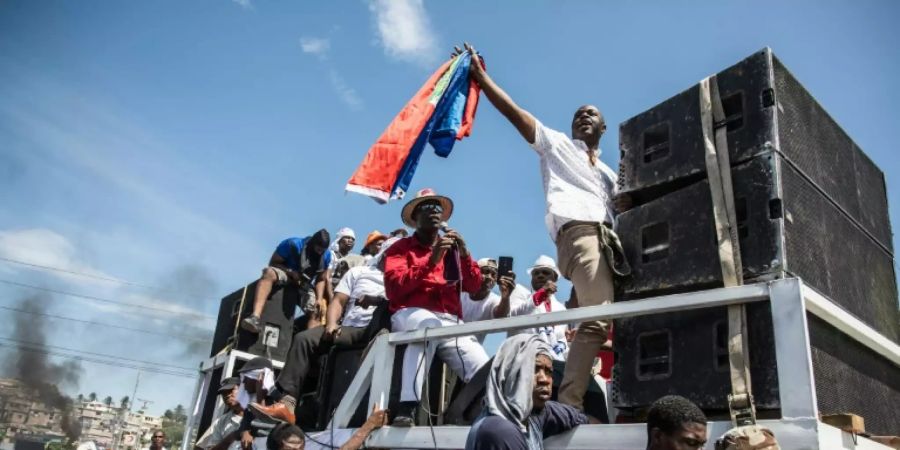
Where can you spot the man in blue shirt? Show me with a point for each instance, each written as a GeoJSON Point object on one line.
{"type": "Point", "coordinates": [295, 260]}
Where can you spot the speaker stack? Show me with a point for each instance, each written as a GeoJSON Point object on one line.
{"type": "Point", "coordinates": [277, 322]}
{"type": "Point", "coordinates": [809, 204]}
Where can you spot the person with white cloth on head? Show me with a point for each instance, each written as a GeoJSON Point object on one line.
{"type": "Point", "coordinates": [518, 413]}
{"type": "Point", "coordinates": [257, 385]}
{"type": "Point", "coordinates": [541, 298]}
{"type": "Point", "coordinates": [358, 294]}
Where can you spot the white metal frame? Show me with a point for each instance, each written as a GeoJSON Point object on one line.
{"type": "Point", "coordinates": [207, 367]}
{"type": "Point", "coordinates": [798, 429]}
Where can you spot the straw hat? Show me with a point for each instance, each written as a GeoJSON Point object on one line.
{"type": "Point", "coordinates": [423, 196]}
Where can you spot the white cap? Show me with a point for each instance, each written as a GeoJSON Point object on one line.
{"type": "Point", "coordinates": [488, 262]}
{"type": "Point", "coordinates": [546, 262]}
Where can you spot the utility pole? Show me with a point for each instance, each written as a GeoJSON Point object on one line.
{"type": "Point", "coordinates": [123, 415]}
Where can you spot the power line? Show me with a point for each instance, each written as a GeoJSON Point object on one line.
{"type": "Point", "coordinates": [101, 361]}
{"type": "Point", "coordinates": [82, 274]}
{"type": "Point", "coordinates": [89, 322]}
{"type": "Point", "coordinates": [104, 300]}
{"type": "Point", "coordinates": [119, 358]}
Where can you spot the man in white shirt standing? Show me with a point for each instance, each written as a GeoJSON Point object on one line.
{"type": "Point", "coordinates": [579, 190]}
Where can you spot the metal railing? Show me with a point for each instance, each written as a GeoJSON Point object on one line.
{"type": "Point", "coordinates": [790, 299]}
{"type": "Point", "coordinates": [798, 429]}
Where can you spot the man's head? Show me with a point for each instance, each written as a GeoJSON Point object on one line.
{"type": "Point", "coordinates": [228, 389]}
{"type": "Point", "coordinates": [588, 125]}
{"type": "Point", "coordinates": [253, 374]}
{"type": "Point", "coordinates": [346, 239]}
{"type": "Point", "coordinates": [400, 232]}
{"type": "Point", "coordinates": [674, 423]}
{"type": "Point", "coordinates": [543, 381]}
{"type": "Point", "coordinates": [543, 270]}
{"type": "Point", "coordinates": [488, 268]}
{"type": "Point", "coordinates": [157, 439]}
{"type": "Point", "coordinates": [427, 211]}
{"type": "Point", "coordinates": [286, 436]}
{"type": "Point", "coordinates": [373, 243]}
{"type": "Point", "coordinates": [318, 242]}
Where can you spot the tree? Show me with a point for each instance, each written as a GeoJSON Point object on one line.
{"type": "Point", "coordinates": [108, 401]}
{"type": "Point", "coordinates": [92, 397]}
{"type": "Point", "coordinates": [80, 398]}
{"type": "Point", "coordinates": [173, 425]}
{"type": "Point", "coordinates": [124, 402]}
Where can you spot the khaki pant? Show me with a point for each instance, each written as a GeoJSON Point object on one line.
{"type": "Point", "coordinates": [582, 262]}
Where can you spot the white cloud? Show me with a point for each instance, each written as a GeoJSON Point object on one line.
{"type": "Point", "coordinates": [404, 30]}
{"type": "Point", "coordinates": [246, 4]}
{"type": "Point", "coordinates": [315, 46]}
{"type": "Point", "coordinates": [347, 94]}
{"type": "Point", "coordinates": [46, 248]}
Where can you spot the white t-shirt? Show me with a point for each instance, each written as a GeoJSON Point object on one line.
{"type": "Point", "coordinates": [475, 310]}
{"type": "Point", "coordinates": [358, 282]}
{"type": "Point", "coordinates": [575, 190]}
{"type": "Point", "coordinates": [522, 304]}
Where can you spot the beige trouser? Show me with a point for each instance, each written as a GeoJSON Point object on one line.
{"type": "Point", "coordinates": [582, 262]}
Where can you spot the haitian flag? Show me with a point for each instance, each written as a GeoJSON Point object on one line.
{"type": "Point", "coordinates": [441, 112]}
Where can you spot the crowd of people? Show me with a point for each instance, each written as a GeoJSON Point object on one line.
{"type": "Point", "coordinates": [430, 278]}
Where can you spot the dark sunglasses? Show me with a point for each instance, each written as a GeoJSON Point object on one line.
{"type": "Point", "coordinates": [430, 208]}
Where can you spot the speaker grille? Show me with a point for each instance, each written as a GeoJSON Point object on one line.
{"type": "Point", "coordinates": [853, 379]}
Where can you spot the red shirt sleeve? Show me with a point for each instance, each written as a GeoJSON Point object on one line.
{"type": "Point", "coordinates": [401, 277]}
{"type": "Point", "coordinates": [471, 275]}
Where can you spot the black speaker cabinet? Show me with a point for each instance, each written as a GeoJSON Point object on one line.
{"type": "Point", "coordinates": [786, 228]}
{"type": "Point", "coordinates": [766, 109]}
{"type": "Point", "coordinates": [274, 340]}
{"type": "Point", "coordinates": [685, 353]}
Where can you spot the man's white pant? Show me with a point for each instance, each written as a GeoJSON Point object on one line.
{"type": "Point", "coordinates": [464, 354]}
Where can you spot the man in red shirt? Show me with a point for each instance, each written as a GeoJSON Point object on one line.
{"type": "Point", "coordinates": [424, 276]}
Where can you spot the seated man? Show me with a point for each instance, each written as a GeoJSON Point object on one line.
{"type": "Point", "coordinates": [363, 288]}
{"type": "Point", "coordinates": [518, 413]}
{"type": "Point", "coordinates": [542, 299]}
{"type": "Point", "coordinates": [222, 433]}
{"type": "Point", "coordinates": [485, 304]}
{"type": "Point", "coordinates": [425, 295]}
{"type": "Point", "coordinates": [295, 260]}
{"type": "Point", "coordinates": [674, 423]}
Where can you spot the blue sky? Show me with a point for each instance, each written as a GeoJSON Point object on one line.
{"type": "Point", "coordinates": [143, 140]}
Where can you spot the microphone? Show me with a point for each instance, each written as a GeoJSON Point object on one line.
{"type": "Point", "coordinates": [451, 261]}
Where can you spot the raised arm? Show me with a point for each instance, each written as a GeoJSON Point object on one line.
{"type": "Point", "coordinates": [521, 119]}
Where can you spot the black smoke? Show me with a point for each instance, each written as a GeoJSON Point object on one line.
{"type": "Point", "coordinates": [30, 363]}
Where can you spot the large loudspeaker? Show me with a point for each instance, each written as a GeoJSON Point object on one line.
{"type": "Point", "coordinates": [274, 341]}
{"type": "Point", "coordinates": [809, 204]}
{"type": "Point", "coordinates": [767, 109]}
{"type": "Point", "coordinates": [786, 228]}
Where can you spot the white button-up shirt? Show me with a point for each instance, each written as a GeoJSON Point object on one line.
{"type": "Point", "coordinates": [360, 281]}
{"type": "Point", "coordinates": [575, 189]}
{"type": "Point", "coordinates": [521, 303]}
